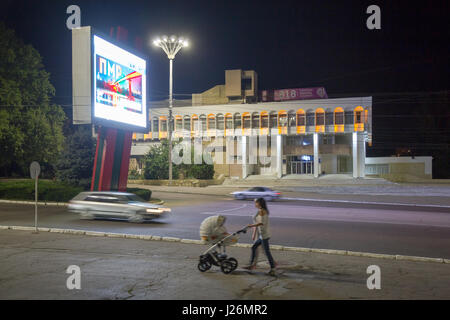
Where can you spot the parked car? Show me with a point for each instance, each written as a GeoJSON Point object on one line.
{"type": "Point", "coordinates": [115, 205]}
{"type": "Point", "coordinates": [257, 192]}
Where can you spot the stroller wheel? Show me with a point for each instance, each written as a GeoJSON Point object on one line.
{"type": "Point", "coordinates": [234, 263]}
{"type": "Point", "coordinates": [228, 265]}
{"type": "Point", "coordinates": [204, 265]}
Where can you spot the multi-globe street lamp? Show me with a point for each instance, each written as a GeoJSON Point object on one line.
{"type": "Point", "coordinates": [171, 45]}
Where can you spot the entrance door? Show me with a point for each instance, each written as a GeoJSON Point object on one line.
{"type": "Point", "coordinates": [302, 167]}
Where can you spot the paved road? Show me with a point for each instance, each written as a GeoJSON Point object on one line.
{"type": "Point", "coordinates": [368, 228]}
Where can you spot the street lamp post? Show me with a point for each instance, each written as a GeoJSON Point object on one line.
{"type": "Point", "coordinates": [171, 46]}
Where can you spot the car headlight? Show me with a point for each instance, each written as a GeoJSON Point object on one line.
{"type": "Point", "coordinates": [154, 211]}
{"type": "Point", "coordinates": [158, 210]}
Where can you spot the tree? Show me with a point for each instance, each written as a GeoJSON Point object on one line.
{"type": "Point", "coordinates": [76, 162]}
{"type": "Point", "coordinates": [157, 163]}
{"type": "Point", "coordinates": [30, 125]}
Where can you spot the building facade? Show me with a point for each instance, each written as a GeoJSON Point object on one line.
{"type": "Point", "coordinates": [299, 137]}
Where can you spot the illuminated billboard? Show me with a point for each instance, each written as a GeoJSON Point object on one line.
{"type": "Point", "coordinates": [118, 87]}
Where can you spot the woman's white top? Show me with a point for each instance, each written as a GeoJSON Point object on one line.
{"type": "Point", "coordinates": [263, 231]}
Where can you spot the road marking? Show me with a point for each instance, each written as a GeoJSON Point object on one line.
{"type": "Point", "coordinates": [369, 202]}
{"type": "Point", "coordinates": [227, 210]}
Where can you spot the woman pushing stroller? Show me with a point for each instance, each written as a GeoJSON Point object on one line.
{"type": "Point", "coordinates": [261, 233]}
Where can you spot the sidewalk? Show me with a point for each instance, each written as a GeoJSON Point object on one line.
{"type": "Point", "coordinates": [34, 267]}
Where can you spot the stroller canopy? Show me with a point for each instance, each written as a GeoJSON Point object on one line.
{"type": "Point", "coordinates": [212, 227]}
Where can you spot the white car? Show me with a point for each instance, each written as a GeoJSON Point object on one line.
{"type": "Point", "coordinates": [115, 205]}
{"type": "Point", "coordinates": [257, 192]}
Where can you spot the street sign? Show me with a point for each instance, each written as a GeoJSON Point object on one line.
{"type": "Point", "coordinates": [35, 170]}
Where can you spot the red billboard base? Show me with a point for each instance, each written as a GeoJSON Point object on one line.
{"type": "Point", "coordinates": [112, 159]}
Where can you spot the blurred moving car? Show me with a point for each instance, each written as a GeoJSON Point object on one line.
{"type": "Point", "coordinates": [115, 205]}
{"type": "Point", "coordinates": [257, 192]}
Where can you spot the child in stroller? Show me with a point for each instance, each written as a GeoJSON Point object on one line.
{"type": "Point", "coordinates": [213, 232]}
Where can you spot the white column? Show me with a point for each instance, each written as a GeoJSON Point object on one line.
{"type": "Point", "coordinates": [316, 154]}
{"type": "Point", "coordinates": [279, 156]}
{"type": "Point", "coordinates": [355, 154]}
{"type": "Point", "coordinates": [361, 155]}
{"type": "Point", "coordinates": [244, 146]}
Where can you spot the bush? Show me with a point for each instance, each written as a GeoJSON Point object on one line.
{"type": "Point", "coordinates": [143, 193]}
{"type": "Point", "coordinates": [47, 190]}
{"type": "Point", "coordinates": [200, 171]}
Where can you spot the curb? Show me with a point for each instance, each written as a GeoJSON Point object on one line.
{"type": "Point", "coordinates": [238, 245]}
{"type": "Point", "coordinates": [58, 204]}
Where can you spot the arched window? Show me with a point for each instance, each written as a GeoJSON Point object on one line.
{"type": "Point", "coordinates": [264, 123]}
{"type": "Point", "coordinates": [359, 118]}
{"type": "Point", "coordinates": [338, 119]}
{"type": "Point", "coordinates": [255, 120]}
{"type": "Point", "coordinates": [359, 114]}
{"type": "Point", "coordinates": [273, 120]}
{"type": "Point", "coordinates": [338, 116]}
{"type": "Point", "coordinates": [162, 127]}
{"type": "Point", "coordinates": [220, 122]}
{"type": "Point", "coordinates": [178, 123]}
{"type": "Point", "coordinates": [202, 120]}
{"type": "Point", "coordinates": [211, 124]}
{"type": "Point", "coordinates": [320, 117]}
{"type": "Point", "coordinates": [163, 124]}
{"type": "Point", "coordinates": [155, 125]}
{"type": "Point", "coordinates": [264, 120]}
{"type": "Point", "coordinates": [282, 122]}
{"type": "Point", "coordinates": [320, 120]}
{"type": "Point", "coordinates": [301, 121]}
{"type": "Point", "coordinates": [187, 124]}
{"type": "Point", "coordinates": [291, 119]}
{"type": "Point", "coordinates": [195, 127]}
{"type": "Point", "coordinates": [237, 121]}
{"type": "Point", "coordinates": [246, 122]}
{"type": "Point", "coordinates": [228, 123]}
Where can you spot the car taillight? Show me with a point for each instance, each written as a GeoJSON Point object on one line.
{"type": "Point", "coordinates": [277, 193]}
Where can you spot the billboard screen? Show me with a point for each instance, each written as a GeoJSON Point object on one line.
{"type": "Point", "coordinates": [119, 86]}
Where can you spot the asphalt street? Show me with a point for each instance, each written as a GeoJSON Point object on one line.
{"type": "Point", "coordinates": [368, 228]}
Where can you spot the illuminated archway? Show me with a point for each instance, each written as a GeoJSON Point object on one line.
{"type": "Point", "coordinates": [162, 127]}
{"type": "Point", "coordinates": [282, 122]}
{"type": "Point", "coordinates": [320, 120]}
{"type": "Point", "coordinates": [358, 120]}
{"type": "Point", "coordinates": [301, 121]}
{"type": "Point", "coordinates": [338, 119]}
{"type": "Point", "coordinates": [264, 123]}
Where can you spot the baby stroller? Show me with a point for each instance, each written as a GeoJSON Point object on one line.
{"type": "Point", "coordinates": [213, 232]}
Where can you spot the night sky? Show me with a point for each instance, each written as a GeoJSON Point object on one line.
{"type": "Point", "coordinates": [290, 44]}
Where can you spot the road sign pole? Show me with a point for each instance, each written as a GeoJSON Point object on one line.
{"type": "Point", "coordinates": [35, 204]}
{"type": "Point", "coordinates": [35, 170]}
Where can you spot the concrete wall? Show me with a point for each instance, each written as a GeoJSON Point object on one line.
{"type": "Point", "coordinates": [215, 95]}
{"type": "Point", "coordinates": [233, 83]}
{"type": "Point", "coordinates": [404, 168]}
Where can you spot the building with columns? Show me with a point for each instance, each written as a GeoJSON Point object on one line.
{"type": "Point", "coordinates": [293, 137]}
